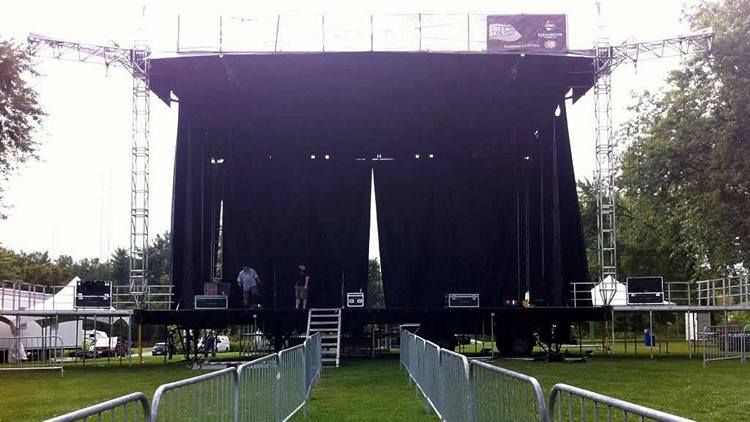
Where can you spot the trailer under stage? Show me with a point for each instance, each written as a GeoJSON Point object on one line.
{"type": "Point", "coordinates": [513, 326]}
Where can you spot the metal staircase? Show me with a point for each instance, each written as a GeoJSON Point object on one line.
{"type": "Point", "coordinates": [327, 322]}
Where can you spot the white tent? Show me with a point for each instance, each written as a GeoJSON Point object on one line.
{"type": "Point", "coordinates": [607, 286]}
{"type": "Point", "coordinates": [62, 300]}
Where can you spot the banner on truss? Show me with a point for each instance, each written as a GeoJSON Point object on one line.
{"type": "Point", "coordinates": [537, 33]}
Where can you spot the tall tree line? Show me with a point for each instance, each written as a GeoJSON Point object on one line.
{"type": "Point", "coordinates": [683, 206]}
{"type": "Point", "coordinates": [39, 268]}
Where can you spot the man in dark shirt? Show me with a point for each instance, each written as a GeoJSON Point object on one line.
{"type": "Point", "coordinates": [301, 286]}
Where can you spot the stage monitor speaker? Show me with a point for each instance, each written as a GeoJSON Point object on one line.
{"type": "Point", "coordinates": [644, 290]}
{"type": "Point", "coordinates": [462, 300]}
{"type": "Point", "coordinates": [355, 300]}
{"type": "Point", "coordinates": [93, 294]}
{"type": "Point", "coordinates": [211, 302]}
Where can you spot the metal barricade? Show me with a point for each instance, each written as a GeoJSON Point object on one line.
{"type": "Point", "coordinates": [403, 356]}
{"type": "Point", "coordinates": [503, 395]}
{"type": "Point", "coordinates": [313, 362]}
{"type": "Point", "coordinates": [430, 374]}
{"type": "Point", "coordinates": [292, 381]}
{"type": "Point", "coordinates": [211, 396]}
{"type": "Point", "coordinates": [133, 407]}
{"type": "Point", "coordinates": [568, 403]}
{"type": "Point", "coordinates": [723, 342]}
{"type": "Point", "coordinates": [31, 352]}
{"type": "Point", "coordinates": [455, 398]}
{"type": "Point", "coordinates": [259, 389]}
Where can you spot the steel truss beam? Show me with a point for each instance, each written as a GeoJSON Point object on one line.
{"type": "Point", "coordinates": [135, 61]}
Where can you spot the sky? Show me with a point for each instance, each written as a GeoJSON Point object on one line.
{"type": "Point", "coordinates": [75, 200]}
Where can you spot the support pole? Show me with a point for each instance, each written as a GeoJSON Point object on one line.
{"type": "Point", "coordinates": [130, 339]}
{"type": "Point", "coordinates": [140, 344]}
{"type": "Point", "coordinates": [613, 330]}
{"type": "Point", "coordinates": [651, 332]}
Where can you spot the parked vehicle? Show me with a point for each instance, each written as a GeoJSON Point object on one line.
{"type": "Point", "coordinates": [160, 349]}
{"type": "Point", "coordinates": [222, 344]}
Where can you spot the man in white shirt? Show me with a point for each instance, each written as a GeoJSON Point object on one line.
{"type": "Point", "coordinates": [248, 281]}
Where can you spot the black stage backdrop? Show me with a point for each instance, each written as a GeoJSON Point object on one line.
{"type": "Point", "coordinates": [498, 224]}
{"type": "Point", "coordinates": [494, 211]}
{"type": "Point", "coordinates": [279, 213]}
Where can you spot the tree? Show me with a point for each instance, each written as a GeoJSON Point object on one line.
{"type": "Point", "coordinates": [158, 259]}
{"type": "Point", "coordinates": [375, 296]}
{"type": "Point", "coordinates": [685, 176]}
{"type": "Point", "coordinates": [20, 111]}
{"type": "Point", "coordinates": [120, 265]}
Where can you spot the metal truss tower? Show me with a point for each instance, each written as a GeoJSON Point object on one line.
{"type": "Point", "coordinates": [606, 59]}
{"type": "Point", "coordinates": [139, 174]}
{"type": "Point", "coordinates": [136, 61]}
{"type": "Point", "coordinates": [606, 160]}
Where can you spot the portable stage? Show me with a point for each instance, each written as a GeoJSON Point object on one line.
{"type": "Point", "coordinates": [470, 155]}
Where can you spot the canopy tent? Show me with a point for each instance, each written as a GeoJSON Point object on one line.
{"type": "Point", "coordinates": [607, 288]}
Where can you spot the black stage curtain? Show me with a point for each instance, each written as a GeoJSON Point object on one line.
{"type": "Point", "coordinates": [279, 213]}
{"type": "Point", "coordinates": [500, 224]}
{"type": "Point", "coordinates": [445, 227]}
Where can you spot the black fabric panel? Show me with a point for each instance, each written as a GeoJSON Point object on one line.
{"type": "Point", "coordinates": [279, 213]}
{"type": "Point", "coordinates": [575, 268]}
{"type": "Point", "coordinates": [445, 227]}
{"type": "Point", "coordinates": [494, 212]}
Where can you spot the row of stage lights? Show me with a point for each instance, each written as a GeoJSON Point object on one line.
{"type": "Point", "coordinates": [328, 157]}
{"type": "Point", "coordinates": [377, 157]}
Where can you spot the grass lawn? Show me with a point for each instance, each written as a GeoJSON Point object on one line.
{"type": "Point", "coordinates": [373, 390]}
{"type": "Point", "coordinates": [38, 395]}
{"type": "Point", "coordinates": [366, 390]}
{"type": "Point", "coordinates": [673, 384]}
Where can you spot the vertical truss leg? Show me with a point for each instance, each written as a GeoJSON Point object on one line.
{"type": "Point", "coordinates": [139, 175]}
{"type": "Point", "coordinates": [605, 162]}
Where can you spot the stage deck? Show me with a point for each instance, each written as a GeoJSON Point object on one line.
{"type": "Point", "coordinates": [297, 318]}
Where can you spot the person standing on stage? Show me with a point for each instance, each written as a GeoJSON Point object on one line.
{"type": "Point", "coordinates": [301, 286]}
{"type": "Point", "coordinates": [248, 281]}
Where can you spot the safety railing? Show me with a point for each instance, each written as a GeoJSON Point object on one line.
{"type": "Point", "coordinates": [157, 296]}
{"type": "Point", "coordinates": [568, 403]}
{"type": "Point", "coordinates": [340, 33]}
{"type": "Point", "coordinates": [504, 395]}
{"type": "Point", "coordinates": [727, 291]}
{"type": "Point", "coordinates": [461, 390]}
{"type": "Point", "coordinates": [31, 352]}
{"type": "Point", "coordinates": [724, 342]}
{"type": "Point", "coordinates": [133, 407]}
{"type": "Point", "coordinates": [20, 296]}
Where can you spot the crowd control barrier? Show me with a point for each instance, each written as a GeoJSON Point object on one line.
{"type": "Point", "coordinates": [458, 389]}
{"type": "Point", "coordinates": [568, 403]}
{"type": "Point", "coordinates": [133, 407]}
{"type": "Point", "coordinates": [271, 388]}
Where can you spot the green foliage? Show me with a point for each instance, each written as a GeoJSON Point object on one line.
{"type": "Point", "coordinates": [38, 268]}
{"type": "Point", "coordinates": [20, 111]}
{"type": "Point", "coordinates": [685, 182]}
{"type": "Point", "coordinates": [375, 297]}
{"type": "Point", "coordinates": [158, 259]}
{"type": "Point", "coordinates": [120, 266]}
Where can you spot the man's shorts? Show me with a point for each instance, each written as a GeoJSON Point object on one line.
{"type": "Point", "coordinates": [300, 292]}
